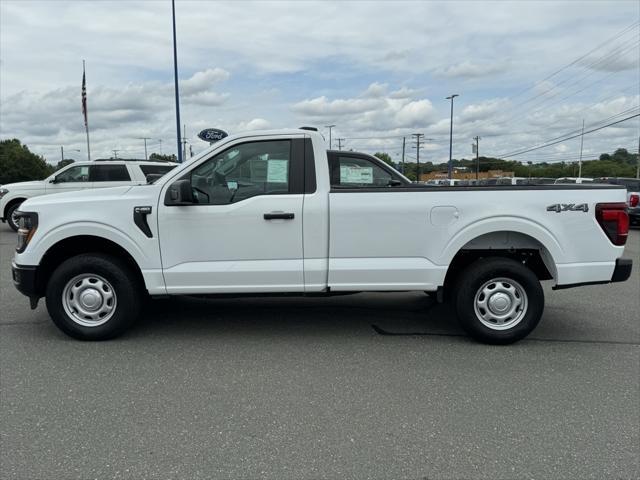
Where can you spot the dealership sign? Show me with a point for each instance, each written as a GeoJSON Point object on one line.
{"type": "Point", "coordinates": [212, 135]}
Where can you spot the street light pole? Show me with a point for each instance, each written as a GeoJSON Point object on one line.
{"type": "Point", "coordinates": [477, 139]}
{"type": "Point", "coordinates": [175, 78]}
{"type": "Point", "coordinates": [581, 144]}
{"type": "Point", "coordinates": [417, 147]}
{"type": "Point", "coordinates": [451, 97]}
{"type": "Point", "coordinates": [329, 127]}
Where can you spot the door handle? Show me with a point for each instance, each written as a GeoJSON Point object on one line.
{"type": "Point", "coordinates": [278, 216]}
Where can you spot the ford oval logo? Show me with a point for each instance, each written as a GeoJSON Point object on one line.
{"type": "Point", "coordinates": [212, 135]}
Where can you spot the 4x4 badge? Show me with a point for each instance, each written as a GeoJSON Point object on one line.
{"type": "Point", "coordinates": [568, 207]}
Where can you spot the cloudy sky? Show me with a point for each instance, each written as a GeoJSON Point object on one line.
{"type": "Point", "coordinates": [527, 73]}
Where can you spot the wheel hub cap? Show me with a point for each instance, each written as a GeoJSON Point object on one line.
{"type": "Point", "coordinates": [500, 303]}
{"type": "Point", "coordinates": [89, 300]}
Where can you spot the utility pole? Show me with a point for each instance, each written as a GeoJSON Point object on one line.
{"type": "Point", "coordinates": [581, 143]}
{"type": "Point", "coordinates": [451, 97]}
{"type": "Point", "coordinates": [404, 139]}
{"type": "Point", "coordinates": [340, 140]}
{"type": "Point", "coordinates": [477, 139]}
{"type": "Point", "coordinates": [418, 146]}
{"type": "Point", "coordinates": [62, 151]}
{"type": "Point", "coordinates": [160, 140]}
{"type": "Point", "coordinates": [329, 127]}
{"type": "Point", "coordinates": [175, 78]}
{"type": "Point", "coordinates": [184, 142]}
{"type": "Point", "coordinates": [115, 153]}
{"type": "Point", "coordinates": [638, 160]}
{"type": "Point", "coordinates": [145, 146]}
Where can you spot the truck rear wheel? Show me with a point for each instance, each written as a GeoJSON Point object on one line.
{"type": "Point", "coordinates": [93, 297]}
{"type": "Point", "coordinates": [498, 300]}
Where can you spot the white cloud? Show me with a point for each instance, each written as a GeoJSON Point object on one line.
{"type": "Point", "coordinates": [468, 69]}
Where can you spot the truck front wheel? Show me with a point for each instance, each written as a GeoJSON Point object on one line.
{"type": "Point", "coordinates": [93, 297]}
{"type": "Point", "coordinates": [498, 300]}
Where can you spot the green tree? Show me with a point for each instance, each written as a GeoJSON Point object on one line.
{"type": "Point", "coordinates": [157, 157]}
{"type": "Point", "coordinates": [385, 157]}
{"type": "Point", "coordinates": [18, 164]}
{"type": "Point", "coordinates": [64, 163]}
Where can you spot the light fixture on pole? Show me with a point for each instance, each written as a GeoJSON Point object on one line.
{"type": "Point", "coordinates": [451, 97]}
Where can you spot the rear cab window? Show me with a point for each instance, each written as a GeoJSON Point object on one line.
{"type": "Point", "coordinates": [360, 171]}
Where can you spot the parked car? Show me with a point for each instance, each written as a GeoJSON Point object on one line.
{"type": "Point", "coordinates": [633, 195]}
{"type": "Point", "coordinates": [78, 176]}
{"type": "Point", "coordinates": [541, 181]}
{"type": "Point", "coordinates": [512, 181]}
{"type": "Point", "coordinates": [276, 213]}
{"type": "Point", "coordinates": [569, 180]}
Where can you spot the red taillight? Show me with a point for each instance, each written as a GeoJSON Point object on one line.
{"type": "Point", "coordinates": [634, 199]}
{"type": "Point", "coordinates": [614, 220]}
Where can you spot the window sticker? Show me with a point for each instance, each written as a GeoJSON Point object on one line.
{"type": "Point", "coordinates": [232, 185]}
{"type": "Point", "coordinates": [277, 171]}
{"type": "Point", "coordinates": [355, 174]}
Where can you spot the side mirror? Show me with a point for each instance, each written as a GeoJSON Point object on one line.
{"type": "Point", "coordinates": [53, 180]}
{"type": "Point", "coordinates": [179, 193]}
{"type": "Point", "coordinates": [394, 183]}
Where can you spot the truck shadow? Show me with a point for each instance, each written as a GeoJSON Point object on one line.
{"type": "Point", "coordinates": [406, 313]}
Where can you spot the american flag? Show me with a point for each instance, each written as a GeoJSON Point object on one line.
{"type": "Point", "coordinates": [84, 97]}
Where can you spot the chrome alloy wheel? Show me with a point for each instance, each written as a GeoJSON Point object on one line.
{"type": "Point", "coordinates": [89, 300]}
{"type": "Point", "coordinates": [14, 217]}
{"type": "Point", "coordinates": [500, 304]}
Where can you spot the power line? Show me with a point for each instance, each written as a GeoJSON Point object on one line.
{"type": "Point", "coordinates": [607, 41]}
{"type": "Point", "coordinates": [569, 138]}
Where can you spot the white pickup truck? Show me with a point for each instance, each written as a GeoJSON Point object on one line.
{"type": "Point", "coordinates": [276, 213]}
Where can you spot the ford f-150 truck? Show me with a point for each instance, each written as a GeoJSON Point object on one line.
{"type": "Point", "coordinates": [276, 213]}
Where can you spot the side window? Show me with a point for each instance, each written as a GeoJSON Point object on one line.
{"type": "Point", "coordinates": [109, 173]}
{"type": "Point", "coordinates": [244, 171]}
{"type": "Point", "coordinates": [79, 173]}
{"type": "Point", "coordinates": [156, 169]}
{"type": "Point", "coordinates": [358, 172]}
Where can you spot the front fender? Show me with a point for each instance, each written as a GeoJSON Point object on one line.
{"type": "Point", "coordinates": [41, 243]}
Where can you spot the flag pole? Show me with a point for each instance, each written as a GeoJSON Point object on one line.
{"type": "Point", "coordinates": [175, 78]}
{"type": "Point", "coordinates": [84, 109]}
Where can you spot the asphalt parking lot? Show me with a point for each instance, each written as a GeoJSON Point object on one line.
{"type": "Point", "coordinates": [308, 388]}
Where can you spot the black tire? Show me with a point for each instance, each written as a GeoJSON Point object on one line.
{"type": "Point", "coordinates": [9, 217]}
{"type": "Point", "coordinates": [126, 296]}
{"type": "Point", "coordinates": [482, 323]}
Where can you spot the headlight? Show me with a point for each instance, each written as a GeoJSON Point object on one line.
{"type": "Point", "coordinates": [27, 225]}
{"type": "Point", "coordinates": [3, 192]}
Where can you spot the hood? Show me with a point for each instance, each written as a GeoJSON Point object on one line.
{"type": "Point", "coordinates": [32, 185]}
{"type": "Point", "coordinates": [95, 194]}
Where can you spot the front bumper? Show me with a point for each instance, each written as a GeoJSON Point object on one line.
{"type": "Point", "coordinates": [25, 280]}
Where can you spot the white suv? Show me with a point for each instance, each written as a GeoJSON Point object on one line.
{"type": "Point", "coordinates": [78, 176]}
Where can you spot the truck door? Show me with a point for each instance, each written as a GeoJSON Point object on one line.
{"type": "Point", "coordinates": [244, 231]}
